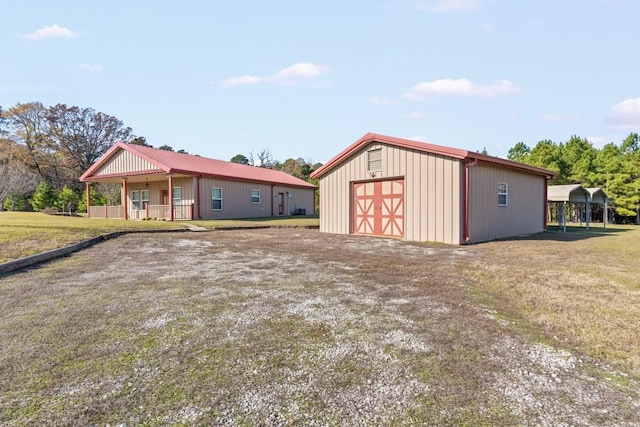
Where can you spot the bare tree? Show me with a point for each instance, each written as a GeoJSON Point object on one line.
{"type": "Point", "coordinates": [262, 159]}
{"type": "Point", "coordinates": [17, 180]}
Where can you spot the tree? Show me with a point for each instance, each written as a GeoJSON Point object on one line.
{"type": "Point", "coordinates": [262, 159]}
{"type": "Point", "coordinates": [577, 155]}
{"type": "Point", "coordinates": [239, 158]}
{"type": "Point", "coordinates": [519, 152]}
{"type": "Point", "coordinates": [16, 179]}
{"type": "Point", "coordinates": [67, 199]}
{"type": "Point", "coordinates": [83, 135]}
{"type": "Point", "coordinates": [140, 140]}
{"type": "Point", "coordinates": [44, 197]}
{"type": "Point", "coordinates": [166, 147]}
{"type": "Point", "coordinates": [182, 151]}
{"type": "Point", "coordinates": [97, 199]}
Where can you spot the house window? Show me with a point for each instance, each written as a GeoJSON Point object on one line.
{"type": "Point", "coordinates": [177, 196]}
{"type": "Point", "coordinates": [374, 160]}
{"type": "Point", "coordinates": [135, 199]}
{"type": "Point", "coordinates": [502, 194]}
{"type": "Point", "coordinates": [144, 198]}
{"type": "Point", "coordinates": [216, 199]}
{"type": "Point", "coordinates": [255, 196]}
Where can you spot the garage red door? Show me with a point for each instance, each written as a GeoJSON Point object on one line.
{"type": "Point", "coordinates": [378, 208]}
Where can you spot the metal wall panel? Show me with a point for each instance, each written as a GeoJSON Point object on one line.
{"type": "Point", "coordinates": [524, 213]}
{"type": "Point", "coordinates": [236, 199]}
{"type": "Point", "coordinates": [123, 162]}
{"type": "Point", "coordinates": [432, 193]}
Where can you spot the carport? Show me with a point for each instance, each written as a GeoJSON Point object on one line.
{"type": "Point", "coordinates": [573, 196]}
{"type": "Point", "coordinates": [598, 196]}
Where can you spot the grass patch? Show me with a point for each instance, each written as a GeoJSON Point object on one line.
{"type": "Point", "coordinates": [284, 222]}
{"type": "Point", "coordinates": [578, 289]}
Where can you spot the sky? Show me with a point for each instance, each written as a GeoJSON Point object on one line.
{"type": "Point", "coordinates": [304, 79]}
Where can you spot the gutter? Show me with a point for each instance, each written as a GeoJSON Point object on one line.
{"type": "Point", "coordinates": [467, 166]}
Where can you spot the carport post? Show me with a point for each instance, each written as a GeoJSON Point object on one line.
{"type": "Point", "coordinates": [564, 216]}
{"type": "Point", "coordinates": [588, 213]}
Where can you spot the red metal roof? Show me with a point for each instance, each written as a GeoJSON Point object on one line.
{"type": "Point", "coordinates": [456, 153]}
{"type": "Point", "coordinates": [178, 163]}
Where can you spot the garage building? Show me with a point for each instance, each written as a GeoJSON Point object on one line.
{"type": "Point", "coordinates": [393, 187]}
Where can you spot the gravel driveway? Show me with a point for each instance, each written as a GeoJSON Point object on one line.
{"type": "Point", "coordinates": [279, 327]}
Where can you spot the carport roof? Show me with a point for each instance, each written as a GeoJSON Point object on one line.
{"type": "Point", "coordinates": [567, 193]}
{"type": "Point", "coordinates": [597, 195]}
{"type": "Point", "coordinates": [456, 153]}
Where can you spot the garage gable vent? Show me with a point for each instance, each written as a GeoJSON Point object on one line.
{"type": "Point", "coordinates": [374, 160]}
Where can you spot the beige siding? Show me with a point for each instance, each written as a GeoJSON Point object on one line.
{"type": "Point", "coordinates": [524, 213]}
{"type": "Point", "coordinates": [236, 199]}
{"type": "Point", "coordinates": [155, 193]}
{"type": "Point", "coordinates": [124, 162]}
{"type": "Point", "coordinates": [432, 192]}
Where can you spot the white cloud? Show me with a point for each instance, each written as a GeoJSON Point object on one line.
{"type": "Point", "coordinates": [245, 80]}
{"type": "Point", "coordinates": [625, 115]}
{"type": "Point", "coordinates": [90, 67]}
{"type": "Point", "coordinates": [550, 117]}
{"type": "Point", "coordinates": [598, 141]}
{"type": "Point", "coordinates": [416, 115]}
{"type": "Point", "coordinates": [446, 6]}
{"type": "Point", "coordinates": [459, 87]}
{"type": "Point", "coordinates": [383, 101]}
{"type": "Point", "coordinates": [296, 72]}
{"type": "Point", "coordinates": [287, 76]}
{"type": "Point", "coordinates": [54, 31]}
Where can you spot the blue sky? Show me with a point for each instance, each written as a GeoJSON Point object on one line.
{"type": "Point", "coordinates": [307, 78]}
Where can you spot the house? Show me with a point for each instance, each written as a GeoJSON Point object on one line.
{"type": "Point", "coordinates": [386, 186]}
{"type": "Point", "coordinates": [163, 184]}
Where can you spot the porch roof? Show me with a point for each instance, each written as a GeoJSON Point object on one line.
{"type": "Point", "coordinates": [170, 162]}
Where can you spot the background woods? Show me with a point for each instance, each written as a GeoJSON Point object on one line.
{"type": "Point", "coordinates": [43, 151]}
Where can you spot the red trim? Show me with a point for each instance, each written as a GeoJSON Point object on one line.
{"type": "Point", "coordinates": [424, 147]}
{"type": "Point", "coordinates": [545, 206]}
{"type": "Point", "coordinates": [88, 187]}
{"type": "Point", "coordinates": [123, 175]}
{"type": "Point", "coordinates": [170, 198]}
{"type": "Point", "coordinates": [125, 199]}
{"type": "Point", "coordinates": [466, 198]}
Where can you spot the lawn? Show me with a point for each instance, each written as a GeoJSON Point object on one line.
{"type": "Point", "coordinates": [289, 326]}
{"type": "Point", "coordinates": [27, 233]}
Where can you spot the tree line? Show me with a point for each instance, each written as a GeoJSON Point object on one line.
{"type": "Point", "coordinates": [615, 168]}
{"type": "Point", "coordinates": [45, 149]}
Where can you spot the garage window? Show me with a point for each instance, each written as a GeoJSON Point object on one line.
{"type": "Point", "coordinates": [503, 197]}
{"type": "Point", "coordinates": [216, 199]}
{"type": "Point", "coordinates": [374, 160]}
{"type": "Point", "coordinates": [255, 196]}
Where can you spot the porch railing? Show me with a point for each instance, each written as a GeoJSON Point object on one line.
{"type": "Point", "coordinates": [182, 211]}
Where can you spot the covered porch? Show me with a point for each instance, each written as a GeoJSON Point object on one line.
{"type": "Point", "coordinates": [148, 197]}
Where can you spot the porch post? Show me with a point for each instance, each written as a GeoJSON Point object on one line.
{"type": "Point", "coordinates": [88, 187]}
{"type": "Point", "coordinates": [124, 198]}
{"type": "Point", "coordinates": [170, 198]}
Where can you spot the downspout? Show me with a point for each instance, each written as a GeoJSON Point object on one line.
{"type": "Point", "coordinates": [88, 187]}
{"type": "Point", "coordinates": [272, 185]}
{"type": "Point", "coordinates": [467, 165]}
{"type": "Point", "coordinates": [545, 205]}
{"type": "Point", "coordinates": [170, 198]}
{"type": "Point", "coordinates": [125, 200]}
{"type": "Point", "coordinates": [198, 196]}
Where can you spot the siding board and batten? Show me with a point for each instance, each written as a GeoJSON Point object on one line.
{"type": "Point", "coordinates": [437, 205]}
{"type": "Point", "coordinates": [138, 168]}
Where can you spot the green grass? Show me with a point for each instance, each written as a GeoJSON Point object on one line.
{"type": "Point", "coordinates": [28, 233]}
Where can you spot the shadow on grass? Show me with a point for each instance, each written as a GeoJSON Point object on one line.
{"type": "Point", "coordinates": [575, 233]}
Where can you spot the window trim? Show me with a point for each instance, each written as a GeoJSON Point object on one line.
{"type": "Point", "coordinates": [374, 161]}
{"type": "Point", "coordinates": [135, 200]}
{"type": "Point", "coordinates": [259, 196]}
{"type": "Point", "coordinates": [174, 198]}
{"type": "Point", "coordinates": [144, 202]}
{"type": "Point", "coordinates": [503, 192]}
{"type": "Point", "coordinates": [213, 198]}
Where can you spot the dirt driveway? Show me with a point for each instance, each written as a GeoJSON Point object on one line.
{"type": "Point", "coordinates": [279, 327]}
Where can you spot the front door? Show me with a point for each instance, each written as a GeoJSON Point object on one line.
{"type": "Point", "coordinates": [281, 203]}
{"type": "Point", "coordinates": [378, 208]}
{"type": "Point", "coordinates": [164, 196]}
